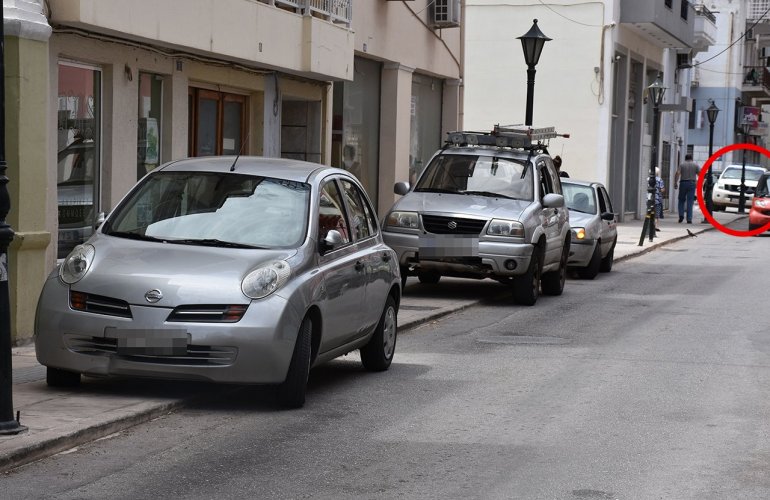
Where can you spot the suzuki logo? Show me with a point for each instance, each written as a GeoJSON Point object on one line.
{"type": "Point", "coordinates": [153, 296]}
{"type": "Point", "coordinates": [452, 225]}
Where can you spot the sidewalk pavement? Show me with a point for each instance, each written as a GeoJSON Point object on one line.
{"type": "Point", "coordinates": [61, 419]}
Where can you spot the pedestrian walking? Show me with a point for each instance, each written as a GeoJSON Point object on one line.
{"type": "Point", "coordinates": [660, 190]}
{"type": "Point", "coordinates": [684, 179]}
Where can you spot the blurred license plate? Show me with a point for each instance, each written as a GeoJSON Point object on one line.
{"type": "Point", "coordinates": [150, 342]}
{"type": "Point", "coordinates": [437, 246]}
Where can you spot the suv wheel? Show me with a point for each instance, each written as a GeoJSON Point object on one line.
{"type": "Point", "coordinates": [553, 282]}
{"type": "Point", "coordinates": [526, 288]}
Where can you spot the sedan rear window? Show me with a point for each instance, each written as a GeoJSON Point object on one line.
{"type": "Point", "coordinates": [214, 208]}
{"type": "Point", "coordinates": [579, 198]}
{"type": "Point", "coordinates": [478, 175]}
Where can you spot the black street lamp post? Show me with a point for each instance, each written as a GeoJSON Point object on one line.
{"type": "Point", "coordinates": [532, 43]}
{"type": "Point", "coordinates": [656, 92]}
{"type": "Point", "coordinates": [711, 113]}
{"type": "Point", "coordinates": [8, 425]}
{"type": "Point", "coordinates": [745, 128]}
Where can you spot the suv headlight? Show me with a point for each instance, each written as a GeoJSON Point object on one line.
{"type": "Point", "coordinates": [77, 263]}
{"type": "Point", "coordinates": [579, 233]}
{"type": "Point", "coordinates": [406, 220]}
{"type": "Point", "coordinates": [500, 227]}
{"type": "Point", "coordinates": [264, 280]}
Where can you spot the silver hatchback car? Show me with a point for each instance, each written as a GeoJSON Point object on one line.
{"type": "Point", "coordinates": [594, 227]}
{"type": "Point", "coordinates": [486, 206]}
{"type": "Point", "coordinates": [238, 270]}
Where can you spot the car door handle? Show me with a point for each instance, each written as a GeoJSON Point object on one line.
{"type": "Point", "coordinates": [359, 265]}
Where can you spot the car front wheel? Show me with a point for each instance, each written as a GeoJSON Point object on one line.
{"type": "Point", "coordinates": [592, 269]}
{"type": "Point", "coordinates": [55, 377]}
{"type": "Point", "coordinates": [606, 265]}
{"type": "Point", "coordinates": [291, 393]}
{"type": "Point", "coordinates": [377, 354]}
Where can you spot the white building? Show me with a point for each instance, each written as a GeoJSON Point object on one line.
{"type": "Point", "coordinates": [591, 81]}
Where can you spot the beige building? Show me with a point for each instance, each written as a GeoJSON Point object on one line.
{"type": "Point", "coordinates": [100, 92]}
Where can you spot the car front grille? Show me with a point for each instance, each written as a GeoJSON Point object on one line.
{"type": "Point", "coordinates": [438, 224]}
{"type": "Point", "coordinates": [208, 314]}
{"type": "Point", "coordinates": [99, 304]}
{"type": "Point", "coordinates": [197, 355]}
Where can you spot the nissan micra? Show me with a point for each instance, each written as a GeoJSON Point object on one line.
{"type": "Point", "coordinates": [237, 270]}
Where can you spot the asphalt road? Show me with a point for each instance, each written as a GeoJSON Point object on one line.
{"type": "Point", "coordinates": [652, 381]}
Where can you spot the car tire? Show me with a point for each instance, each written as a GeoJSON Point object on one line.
{"type": "Point", "coordinates": [526, 288]}
{"type": "Point", "coordinates": [55, 377]}
{"type": "Point", "coordinates": [606, 265]}
{"type": "Point", "coordinates": [377, 354]}
{"type": "Point", "coordinates": [553, 281]}
{"type": "Point", "coordinates": [430, 278]}
{"type": "Point", "coordinates": [291, 392]}
{"type": "Point", "coordinates": [592, 269]}
{"type": "Point", "coordinates": [404, 275]}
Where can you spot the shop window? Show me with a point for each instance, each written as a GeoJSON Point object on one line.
{"type": "Point", "coordinates": [425, 138]}
{"type": "Point", "coordinates": [149, 124]}
{"type": "Point", "coordinates": [78, 153]}
{"type": "Point", "coordinates": [218, 123]}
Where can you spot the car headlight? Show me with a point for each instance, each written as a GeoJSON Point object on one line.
{"type": "Point", "coordinates": [499, 227]}
{"type": "Point", "coordinates": [760, 203]}
{"type": "Point", "coordinates": [579, 233]}
{"type": "Point", "coordinates": [264, 280]}
{"type": "Point", "coordinates": [77, 263]}
{"type": "Point", "coordinates": [407, 220]}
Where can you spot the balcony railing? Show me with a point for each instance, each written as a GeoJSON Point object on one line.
{"type": "Point", "coordinates": [701, 10]}
{"type": "Point", "coordinates": [336, 11]}
{"type": "Point", "coordinates": [757, 76]}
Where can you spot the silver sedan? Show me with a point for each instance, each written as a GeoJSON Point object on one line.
{"type": "Point", "coordinates": [594, 227]}
{"type": "Point", "coordinates": [235, 270]}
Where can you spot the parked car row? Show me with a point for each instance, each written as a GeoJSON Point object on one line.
{"type": "Point", "coordinates": [254, 270]}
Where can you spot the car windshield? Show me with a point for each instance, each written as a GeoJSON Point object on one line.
{"type": "Point", "coordinates": [735, 173]}
{"type": "Point", "coordinates": [478, 175]}
{"type": "Point", "coordinates": [221, 209]}
{"type": "Point", "coordinates": [579, 198]}
{"type": "Point", "coordinates": [763, 187]}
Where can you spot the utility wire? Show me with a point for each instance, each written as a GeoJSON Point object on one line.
{"type": "Point", "coordinates": [567, 18]}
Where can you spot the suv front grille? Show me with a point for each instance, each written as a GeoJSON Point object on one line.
{"type": "Point", "coordinates": [438, 224]}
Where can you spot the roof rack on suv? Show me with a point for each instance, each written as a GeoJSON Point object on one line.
{"type": "Point", "coordinates": [506, 136]}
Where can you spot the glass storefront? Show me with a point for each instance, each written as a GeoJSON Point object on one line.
{"type": "Point", "coordinates": [425, 137]}
{"type": "Point", "coordinates": [218, 123]}
{"type": "Point", "coordinates": [78, 157]}
{"type": "Point", "coordinates": [149, 124]}
{"type": "Point", "coordinates": [356, 124]}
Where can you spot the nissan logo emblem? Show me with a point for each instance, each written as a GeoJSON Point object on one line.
{"type": "Point", "coordinates": [153, 296]}
{"type": "Point", "coordinates": [452, 225]}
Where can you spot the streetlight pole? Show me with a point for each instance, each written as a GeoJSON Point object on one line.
{"type": "Point", "coordinates": [532, 43]}
{"type": "Point", "coordinates": [745, 128]}
{"type": "Point", "coordinates": [656, 91]}
{"type": "Point", "coordinates": [8, 425]}
{"type": "Point", "coordinates": [711, 112]}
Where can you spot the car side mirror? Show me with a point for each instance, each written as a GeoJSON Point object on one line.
{"type": "Point", "coordinates": [333, 240]}
{"type": "Point", "coordinates": [100, 220]}
{"type": "Point", "coordinates": [608, 216]}
{"type": "Point", "coordinates": [401, 188]}
{"type": "Point", "coordinates": [749, 191]}
{"type": "Point", "coordinates": [553, 200]}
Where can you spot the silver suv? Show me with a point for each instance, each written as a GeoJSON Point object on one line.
{"type": "Point", "coordinates": [486, 206]}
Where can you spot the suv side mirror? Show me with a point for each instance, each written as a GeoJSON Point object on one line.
{"type": "Point", "coordinates": [553, 200]}
{"type": "Point", "coordinates": [401, 188]}
{"type": "Point", "coordinates": [333, 240]}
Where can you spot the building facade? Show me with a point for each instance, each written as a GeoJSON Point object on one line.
{"type": "Point", "coordinates": [590, 82]}
{"type": "Point", "coordinates": [100, 92]}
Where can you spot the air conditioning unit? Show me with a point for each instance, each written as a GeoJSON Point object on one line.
{"type": "Point", "coordinates": [445, 14]}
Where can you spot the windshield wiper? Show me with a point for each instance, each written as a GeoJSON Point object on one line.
{"type": "Point", "coordinates": [489, 193]}
{"type": "Point", "coordinates": [436, 190]}
{"type": "Point", "coordinates": [212, 242]}
{"type": "Point", "coordinates": [133, 236]}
